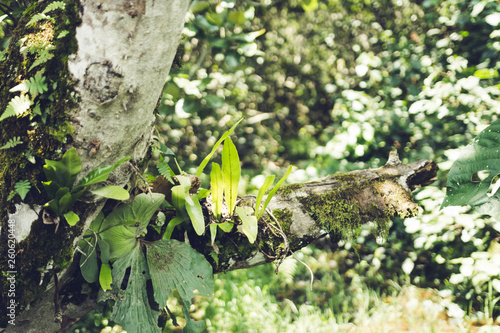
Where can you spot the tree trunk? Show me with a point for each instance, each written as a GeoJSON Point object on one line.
{"type": "Point", "coordinates": [108, 67]}
{"type": "Point", "coordinates": [108, 62]}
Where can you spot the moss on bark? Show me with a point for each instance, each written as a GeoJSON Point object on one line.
{"type": "Point", "coordinates": [43, 137]}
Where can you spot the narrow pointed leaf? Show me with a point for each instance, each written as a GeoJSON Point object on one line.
{"type": "Point", "coordinates": [267, 182]}
{"type": "Point", "coordinates": [196, 214]}
{"type": "Point", "coordinates": [273, 191]}
{"type": "Point", "coordinates": [112, 192]}
{"type": "Point", "coordinates": [100, 174]}
{"type": "Point", "coordinates": [171, 226]}
{"type": "Point", "coordinates": [217, 190]}
{"type": "Point", "coordinates": [214, 149]}
{"type": "Point", "coordinates": [231, 171]}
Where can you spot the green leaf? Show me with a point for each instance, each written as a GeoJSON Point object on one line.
{"type": "Point", "coordinates": [64, 172]}
{"type": "Point", "coordinates": [100, 174]}
{"type": "Point", "coordinates": [105, 278]}
{"type": "Point", "coordinates": [213, 232]}
{"type": "Point", "coordinates": [195, 213]}
{"type": "Point", "coordinates": [267, 182]}
{"type": "Point", "coordinates": [249, 222]}
{"type": "Point", "coordinates": [88, 260]}
{"type": "Point", "coordinates": [12, 143]}
{"type": "Point", "coordinates": [22, 188]}
{"type": "Point", "coordinates": [16, 107]}
{"type": "Point", "coordinates": [217, 190]}
{"type": "Point", "coordinates": [171, 226]}
{"type": "Point", "coordinates": [226, 226]}
{"type": "Point", "coordinates": [309, 5]}
{"type": "Point", "coordinates": [43, 57]}
{"type": "Point", "coordinates": [131, 310]}
{"type": "Point", "coordinates": [214, 149]}
{"type": "Point", "coordinates": [473, 177]}
{"type": "Point", "coordinates": [122, 227]}
{"type": "Point", "coordinates": [112, 192]}
{"type": "Point", "coordinates": [486, 73]}
{"type": "Point", "coordinates": [273, 191]}
{"type": "Point", "coordinates": [36, 85]}
{"type": "Point", "coordinates": [166, 171]}
{"type": "Point", "coordinates": [71, 218]}
{"type": "Point", "coordinates": [175, 265]}
{"type": "Point", "coordinates": [231, 171]}
{"type": "Point", "coordinates": [104, 248]}
{"type": "Point", "coordinates": [237, 17]}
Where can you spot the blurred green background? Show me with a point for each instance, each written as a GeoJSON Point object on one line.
{"type": "Point", "coordinates": [333, 86]}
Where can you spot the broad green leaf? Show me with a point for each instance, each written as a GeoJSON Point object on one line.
{"type": "Point", "coordinates": [65, 202]}
{"type": "Point", "coordinates": [71, 218]}
{"type": "Point", "coordinates": [217, 185]}
{"type": "Point", "coordinates": [214, 149]}
{"type": "Point", "coordinates": [195, 213]}
{"type": "Point", "coordinates": [131, 310]}
{"type": "Point", "coordinates": [121, 228]}
{"type": "Point", "coordinates": [171, 226]}
{"type": "Point", "coordinates": [249, 222]}
{"type": "Point", "coordinates": [64, 172]}
{"type": "Point", "coordinates": [175, 265]}
{"type": "Point", "coordinates": [231, 171]}
{"type": "Point", "coordinates": [112, 192]}
{"type": "Point", "coordinates": [473, 177]}
{"type": "Point", "coordinates": [88, 259]}
{"type": "Point", "coordinates": [273, 191]}
{"type": "Point", "coordinates": [267, 182]}
{"type": "Point", "coordinates": [100, 174]}
{"type": "Point", "coordinates": [105, 278]}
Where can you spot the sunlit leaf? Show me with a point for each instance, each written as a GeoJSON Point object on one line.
{"type": "Point", "coordinates": [121, 228]}
{"type": "Point", "coordinates": [205, 161]}
{"type": "Point", "coordinates": [231, 171]}
{"type": "Point", "coordinates": [273, 191]}
{"type": "Point", "coordinates": [217, 186]}
{"type": "Point", "coordinates": [105, 278]}
{"type": "Point", "coordinates": [249, 222]}
{"type": "Point", "coordinates": [267, 182]}
{"type": "Point", "coordinates": [112, 192]}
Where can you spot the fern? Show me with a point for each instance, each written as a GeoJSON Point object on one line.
{"type": "Point", "coordinates": [16, 107]}
{"type": "Point", "coordinates": [12, 143]}
{"type": "Point", "coordinates": [54, 6]}
{"type": "Point", "coordinates": [36, 84]}
{"type": "Point", "coordinates": [165, 170]}
{"type": "Point", "coordinates": [22, 188]}
{"type": "Point", "coordinates": [39, 17]}
{"type": "Point", "coordinates": [43, 57]}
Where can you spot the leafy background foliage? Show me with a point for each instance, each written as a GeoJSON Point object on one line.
{"type": "Point", "coordinates": [334, 86]}
{"type": "Point", "coordinates": [335, 89]}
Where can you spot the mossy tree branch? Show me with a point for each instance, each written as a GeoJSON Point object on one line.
{"type": "Point", "coordinates": [299, 214]}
